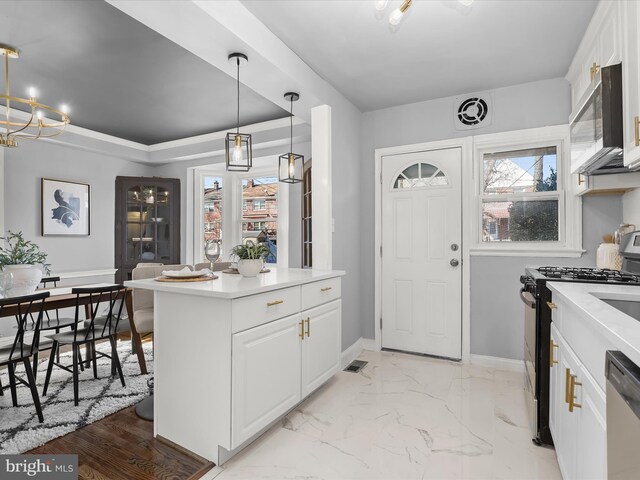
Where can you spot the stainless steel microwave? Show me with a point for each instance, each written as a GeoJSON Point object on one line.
{"type": "Point", "coordinates": [596, 126]}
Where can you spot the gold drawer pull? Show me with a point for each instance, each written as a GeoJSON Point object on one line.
{"type": "Point", "coordinates": [308, 320]}
{"type": "Point", "coordinates": [572, 393]}
{"type": "Point", "coordinates": [594, 70]}
{"type": "Point", "coordinates": [552, 345]}
{"type": "Point", "coordinates": [580, 179]}
{"type": "Point", "coordinates": [275, 302]}
{"type": "Point", "coordinates": [302, 329]}
{"type": "Point", "coordinates": [637, 125]}
{"type": "Point", "coordinates": [325, 289]}
{"type": "Point", "coordinates": [567, 382]}
{"type": "Point", "coordinates": [552, 305]}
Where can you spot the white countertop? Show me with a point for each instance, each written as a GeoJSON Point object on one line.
{"type": "Point", "coordinates": [230, 286]}
{"type": "Point", "coordinates": [618, 327]}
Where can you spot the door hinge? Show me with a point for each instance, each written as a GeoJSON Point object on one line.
{"type": "Point", "coordinates": [380, 323]}
{"type": "Point", "coordinates": [381, 250]}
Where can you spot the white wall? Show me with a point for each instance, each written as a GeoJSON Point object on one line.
{"type": "Point", "coordinates": [494, 330]}
{"type": "Point", "coordinates": [23, 169]}
{"type": "Point", "coordinates": [631, 207]}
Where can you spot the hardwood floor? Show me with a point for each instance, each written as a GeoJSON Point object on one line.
{"type": "Point", "coordinates": [122, 447]}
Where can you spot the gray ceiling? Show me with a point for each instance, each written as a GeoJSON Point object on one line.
{"type": "Point", "coordinates": [118, 76]}
{"type": "Point", "coordinates": [441, 49]}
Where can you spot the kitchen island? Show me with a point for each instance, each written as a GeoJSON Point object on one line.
{"type": "Point", "coordinates": [233, 355]}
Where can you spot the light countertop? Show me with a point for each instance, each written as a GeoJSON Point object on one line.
{"type": "Point", "coordinates": [616, 326]}
{"type": "Point", "coordinates": [229, 286]}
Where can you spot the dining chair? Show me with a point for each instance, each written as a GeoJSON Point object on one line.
{"type": "Point", "coordinates": [20, 351]}
{"type": "Point", "coordinates": [142, 322]}
{"type": "Point", "coordinates": [103, 325]}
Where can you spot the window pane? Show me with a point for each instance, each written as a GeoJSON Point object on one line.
{"type": "Point", "coordinates": [520, 171]}
{"type": "Point", "coordinates": [213, 209]}
{"type": "Point", "coordinates": [259, 219]}
{"type": "Point", "coordinates": [520, 221]}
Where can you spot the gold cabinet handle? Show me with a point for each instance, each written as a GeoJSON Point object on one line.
{"type": "Point", "coordinates": [580, 179]}
{"type": "Point", "coordinates": [275, 302]}
{"type": "Point", "coordinates": [567, 382]}
{"type": "Point", "coordinates": [636, 120]}
{"type": "Point", "coordinates": [594, 70]}
{"type": "Point", "coordinates": [325, 289]}
{"type": "Point", "coordinates": [551, 305]}
{"type": "Point", "coordinates": [552, 345]}
{"type": "Point", "coordinates": [308, 320]}
{"type": "Point", "coordinates": [572, 393]}
{"type": "Point", "coordinates": [302, 329]}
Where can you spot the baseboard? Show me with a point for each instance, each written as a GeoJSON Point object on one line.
{"type": "Point", "coordinates": [369, 344]}
{"type": "Point", "coordinates": [352, 352]}
{"type": "Point", "coordinates": [498, 363]}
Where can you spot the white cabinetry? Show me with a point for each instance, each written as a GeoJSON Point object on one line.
{"type": "Point", "coordinates": [631, 82]}
{"type": "Point", "coordinates": [577, 404]}
{"type": "Point", "coordinates": [277, 364]}
{"type": "Point", "coordinates": [600, 46]}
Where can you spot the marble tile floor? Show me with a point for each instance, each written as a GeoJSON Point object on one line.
{"type": "Point", "coordinates": [403, 417]}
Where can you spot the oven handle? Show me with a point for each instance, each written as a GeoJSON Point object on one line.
{"type": "Point", "coordinates": [525, 301]}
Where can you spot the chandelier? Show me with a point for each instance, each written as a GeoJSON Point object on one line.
{"type": "Point", "coordinates": [290, 164]}
{"type": "Point", "coordinates": [238, 146]}
{"type": "Point", "coordinates": [41, 121]}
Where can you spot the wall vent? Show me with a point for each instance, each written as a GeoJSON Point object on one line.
{"type": "Point", "coordinates": [473, 111]}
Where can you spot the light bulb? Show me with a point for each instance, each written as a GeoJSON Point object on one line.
{"type": "Point", "coordinates": [466, 3]}
{"type": "Point", "coordinates": [396, 17]}
{"type": "Point", "coordinates": [292, 161]}
{"type": "Point", "coordinates": [64, 109]}
{"type": "Point", "coordinates": [381, 4]}
{"type": "Point", "coordinates": [39, 114]}
{"type": "Point", "coordinates": [32, 92]}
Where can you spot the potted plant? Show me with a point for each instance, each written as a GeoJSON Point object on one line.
{"type": "Point", "coordinates": [25, 261]}
{"type": "Point", "coordinates": [250, 256]}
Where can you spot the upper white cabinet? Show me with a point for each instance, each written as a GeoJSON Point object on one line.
{"type": "Point", "coordinates": [600, 46]}
{"type": "Point", "coordinates": [631, 82]}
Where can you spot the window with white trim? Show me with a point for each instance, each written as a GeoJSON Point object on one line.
{"type": "Point", "coordinates": [524, 203]}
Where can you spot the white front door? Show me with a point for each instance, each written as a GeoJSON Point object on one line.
{"type": "Point", "coordinates": [421, 252]}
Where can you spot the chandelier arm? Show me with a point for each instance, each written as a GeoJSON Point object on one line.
{"type": "Point", "coordinates": [26, 125]}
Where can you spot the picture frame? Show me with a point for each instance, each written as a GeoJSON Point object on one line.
{"type": "Point", "coordinates": [65, 208]}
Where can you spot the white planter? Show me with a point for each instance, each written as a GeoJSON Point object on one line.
{"type": "Point", "coordinates": [250, 268]}
{"type": "Point", "coordinates": [25, 279]}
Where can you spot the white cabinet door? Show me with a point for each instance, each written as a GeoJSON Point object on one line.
{"type": "Point", "coordinates": [567, 422]}
{"type": "Point", "coordinates": [592, 434]}
{"type": "Point", "coordinates": [556, 399]}
{"type": "Point", "coordinates": [265, 375]}
{"type": "Point", "coordinates": [321, 347]}
{"type": "Point", "coordinates": [631, 81]}
{"type": "Point", "coordinates": [609, 36]}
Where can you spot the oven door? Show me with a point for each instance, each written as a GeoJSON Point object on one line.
{"type": "Point", "coordinates": [530, 358]}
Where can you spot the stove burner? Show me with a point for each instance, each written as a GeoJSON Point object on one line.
{"type": "Point", "coordinates": [588, 274]}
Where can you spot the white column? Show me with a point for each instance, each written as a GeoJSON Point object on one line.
{"type": "Point", "coordinates": [322, 221]}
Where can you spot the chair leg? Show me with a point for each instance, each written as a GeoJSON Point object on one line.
{"type": "Point", "coordinates": [87, 354]}
{"type": "Point", "coordinates": [12, 383]}
{"type": "Point", "coordinates": [136, 342]}
{"type": "Point", "coordinates": [32, 386]}
{"type": "Point", "coordinates": [1, 389]}
{"type": "Point", "coordinates": [35, 364]}
{"type": "Point", "coordinates": [52, 357]}
{"type": "Point", "coordinates": [76, 361]}
{"type": "Point", "coordinates": [95, 359]}
{"type": "Point", "coordinates": [57, 331]}
{"type": "Point", "coordinates": [116, 360]}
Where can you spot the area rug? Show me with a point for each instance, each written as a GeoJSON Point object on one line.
{"type": "Point", "coordinates": [20, 430]}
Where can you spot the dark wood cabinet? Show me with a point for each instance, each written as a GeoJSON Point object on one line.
{"type": "Point", "coordinates": [147, 225]}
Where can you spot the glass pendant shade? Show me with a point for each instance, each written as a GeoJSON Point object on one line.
{"type": "Point", "coordinates": [290, 168]}
{"type": "Point", "coordinates": [238, 152]}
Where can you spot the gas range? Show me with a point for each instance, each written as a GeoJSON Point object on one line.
{"type": "Point", "coordinates": [579, 274]}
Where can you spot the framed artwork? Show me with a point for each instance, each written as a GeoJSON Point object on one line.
{"type": "Point", "coordinates": [65, 208]}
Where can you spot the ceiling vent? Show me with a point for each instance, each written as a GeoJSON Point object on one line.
{"type": "Point", "coordinates": [473, 111]}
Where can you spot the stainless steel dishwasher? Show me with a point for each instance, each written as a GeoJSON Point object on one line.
{"type": "Point", "coordinates": [623, 417]}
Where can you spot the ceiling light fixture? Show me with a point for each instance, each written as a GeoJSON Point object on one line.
{"type": "Point", "coordinates": [398, 14]}
{"type": "Point", "coordinates": [238, 145]}
{"type": "Point", "coordinates": [38, 125]}
{"type": "Point", "coordinates": [290, 164]}
{"type": "Point", "coordinates": [381, 4]}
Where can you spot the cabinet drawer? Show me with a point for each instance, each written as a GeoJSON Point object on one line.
{"type": "Point", "coordinates": [254, 310]}
{"type": "Point", "coordinates": [317, 293]}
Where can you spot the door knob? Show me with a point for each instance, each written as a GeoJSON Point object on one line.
{"type": "Point", "coordinates": [454, 262]}
{"type": "Point", "coordinates": [454, 246]}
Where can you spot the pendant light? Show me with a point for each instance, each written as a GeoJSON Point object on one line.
{"type": "Point", "coordinates": [290, 164]}
{"type": "Point", "coordinates": [238, 145]}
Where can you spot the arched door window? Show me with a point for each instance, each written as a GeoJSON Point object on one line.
{"type": "Point", "coordinates": [420, 175]}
